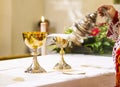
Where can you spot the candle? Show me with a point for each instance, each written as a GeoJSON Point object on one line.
{"type": "Point", "coordinates": [43, 29]}
{"type": "Point", "coordinates": [43, 24]}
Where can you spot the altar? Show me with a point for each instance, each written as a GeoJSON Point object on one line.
{"type": "Point", "coordinates": [87, 71]}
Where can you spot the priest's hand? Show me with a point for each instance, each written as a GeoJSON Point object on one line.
{"type": "Point", "coordinates": [110, 10]}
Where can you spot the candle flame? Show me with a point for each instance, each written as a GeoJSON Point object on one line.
{"type": "Point", "coordinates": [42, 19]}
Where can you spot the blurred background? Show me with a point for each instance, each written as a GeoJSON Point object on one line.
{"type": "Point", "coordinates": [17, 16]}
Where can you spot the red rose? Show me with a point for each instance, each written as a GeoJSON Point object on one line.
{"type": "Point", "coordinates": [95, 31]}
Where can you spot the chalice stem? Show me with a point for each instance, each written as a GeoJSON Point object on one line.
{"type": "Point", "coordinates": [36, 66]}
{"type": "Point", "coordinates": [62, 53]}
{"type": "Point", "coordinates": [62, 65]}
{"type": "Point", "coordinates": [35, 61]}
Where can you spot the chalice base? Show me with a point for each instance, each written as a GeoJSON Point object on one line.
{"type": "Point", "coordinates": [62, 66]}
{"type": "Point", "coordinates": [33, 69]}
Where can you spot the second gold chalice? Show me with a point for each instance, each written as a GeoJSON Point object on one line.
{"type": "Point", "coordinates": [34, 40]}
{"type": "Point", "coordinates": [61, 43]}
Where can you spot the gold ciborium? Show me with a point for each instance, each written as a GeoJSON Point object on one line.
{"type": "Point", "coordinates": [61, 43]}
{"type": "Point", "coordinates": [34, 40]}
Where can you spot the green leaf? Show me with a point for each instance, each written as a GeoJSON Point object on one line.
{"type": "Point", "coordinates": [106, 43]}
{"type": "Point", "coordinates": [97, 44]}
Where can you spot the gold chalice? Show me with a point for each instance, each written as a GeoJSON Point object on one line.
{"type": "Point", "coordinates": [61, 43]}
{"type": "Point", "coordinates": [34, 40]}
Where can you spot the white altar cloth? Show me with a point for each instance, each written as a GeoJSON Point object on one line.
{"type": "Point", "coordinates": [87, 71]}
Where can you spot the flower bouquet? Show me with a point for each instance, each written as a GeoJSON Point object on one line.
{"type": "Point", "coordinates": [96, 43]}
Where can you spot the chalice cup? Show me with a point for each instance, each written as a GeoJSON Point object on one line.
{"type": "Point", "coordinates": [62, 43]}
{"type": "Point", "coordinates": [34, 40]}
